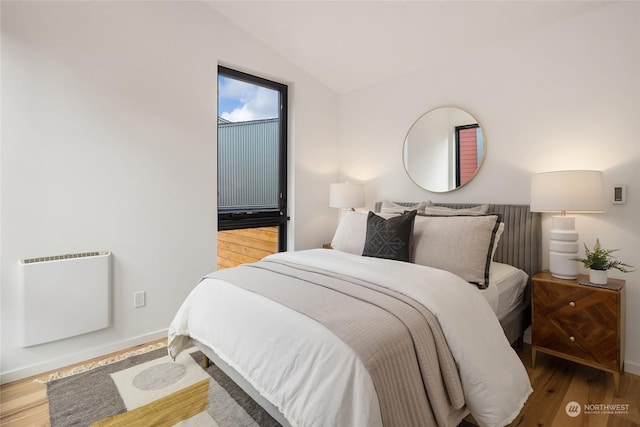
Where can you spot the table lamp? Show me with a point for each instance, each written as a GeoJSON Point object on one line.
{"type": "Point", "coordinates": [575, 191]}
{"type": "Point", "coordinates": [345, 195]}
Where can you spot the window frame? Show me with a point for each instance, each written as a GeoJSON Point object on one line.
{"type": "Point", "coordinates": [458, 162]}
{"type": "Point", "coordinates": [268, 217]}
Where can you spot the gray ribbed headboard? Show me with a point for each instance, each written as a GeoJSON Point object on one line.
{"type": "Point", "coordinates": [520, 244]}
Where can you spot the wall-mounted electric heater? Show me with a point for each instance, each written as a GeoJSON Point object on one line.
{"type": "Point", "coordinates": [64, 296]}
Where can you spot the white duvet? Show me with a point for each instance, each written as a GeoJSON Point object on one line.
{"type": "Point", "coordinates": [315, 379]}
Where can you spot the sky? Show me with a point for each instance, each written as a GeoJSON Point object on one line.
{"type": "Point", "coordinates": [239, 101]}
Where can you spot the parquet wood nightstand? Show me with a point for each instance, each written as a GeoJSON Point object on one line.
{"type": "Point", "coordinates": [581, 323]}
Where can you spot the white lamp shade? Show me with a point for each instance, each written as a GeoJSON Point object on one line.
{"type": "Point", "coordinates": [345, 195]}
{"type": "Point", "coordinates": [568, 191]}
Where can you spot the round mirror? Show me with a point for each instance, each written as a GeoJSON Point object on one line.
{"type": "Point", "coordinates": [444, 149]}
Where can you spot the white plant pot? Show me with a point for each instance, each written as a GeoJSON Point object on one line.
{"type": "Point", "coordinates": [599, 277]}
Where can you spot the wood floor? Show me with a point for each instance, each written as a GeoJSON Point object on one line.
{"type": "Point", "coordinates": [24, 403]}
{"type": "Point", "coordinates": [555, 382]}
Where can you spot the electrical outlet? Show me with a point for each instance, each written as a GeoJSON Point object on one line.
{"type": "Point", "coordinates": [139, 299]}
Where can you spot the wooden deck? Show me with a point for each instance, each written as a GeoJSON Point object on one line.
{"type": "Point", "coordinates": [246, 245]}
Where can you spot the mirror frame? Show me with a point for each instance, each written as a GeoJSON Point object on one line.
{"type": "Point", "coordinates": [404, 148]}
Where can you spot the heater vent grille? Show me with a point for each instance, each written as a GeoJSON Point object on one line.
{"type": "Point", "coordinates": [61, 257]}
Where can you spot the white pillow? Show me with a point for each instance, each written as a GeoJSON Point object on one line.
{"type": "Point", "coordinates": [351, 234]}
{"type": "Point", "coordinates": [462, 245]}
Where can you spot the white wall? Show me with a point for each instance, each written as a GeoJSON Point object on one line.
{"type": "Point", "coordinates": [109, 143]}
{"type": "Point", "coordinates": [564, 97]}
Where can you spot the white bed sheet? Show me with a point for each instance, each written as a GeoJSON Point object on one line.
{"type": "Point", "coordinates": [330, 385]}
{"type": "Point", "coordinates": [506, 288]}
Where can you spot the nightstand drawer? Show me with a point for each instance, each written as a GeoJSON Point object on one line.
{"type": "Point", "coordinates": [577, 321]}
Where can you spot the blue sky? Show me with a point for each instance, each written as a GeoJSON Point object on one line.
{"type": "Point", "coordinates": [239, 101]}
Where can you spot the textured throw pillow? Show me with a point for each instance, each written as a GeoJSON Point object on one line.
{"type": "Point", "coordinates": [462, 245]}
{"type": "Point", "coordinates": [389, 238]}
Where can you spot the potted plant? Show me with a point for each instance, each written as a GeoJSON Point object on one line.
{"type": "Point", "coordinates": [599, 260]}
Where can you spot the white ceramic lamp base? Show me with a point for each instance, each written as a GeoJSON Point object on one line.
{"type": "Point", "coordinates": [563, 248]}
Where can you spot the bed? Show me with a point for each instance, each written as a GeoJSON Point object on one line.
{"type": "Point", "coordinates": [274, 331]}
{"type": "Point", "coordinates": [520, 246]}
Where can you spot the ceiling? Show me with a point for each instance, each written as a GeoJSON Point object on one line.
{"type": "Point", "coordinates": [353, 44]}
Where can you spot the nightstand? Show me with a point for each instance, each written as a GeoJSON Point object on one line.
{"type": "Point", "coordinates": [326, 246]}
{"type": "Point", "coordinates": [581, 323]}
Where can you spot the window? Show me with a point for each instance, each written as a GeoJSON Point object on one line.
{"type": "Point", "coordinates": [252, 164]}
{"type": "Point", "coordinates": [469, 152]}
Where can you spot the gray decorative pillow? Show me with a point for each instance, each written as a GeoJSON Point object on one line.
{"type": "Point", "coordinates": [389, 238]}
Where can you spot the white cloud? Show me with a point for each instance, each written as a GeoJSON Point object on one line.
{"type": "Point", "coordinates": [256, 102]}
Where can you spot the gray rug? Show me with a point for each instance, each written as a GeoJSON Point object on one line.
{"type": "Point", "coordinates": [135, 392]}
{"type": "Point", "coordinates": [82, 399]}
{"type": "Point", "coordinates": [99, 396]}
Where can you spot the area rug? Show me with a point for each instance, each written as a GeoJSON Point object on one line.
{"type": "Point", "coordinates": [152, 390]}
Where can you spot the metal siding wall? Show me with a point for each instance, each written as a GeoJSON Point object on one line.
{"type": "Point", "coordinates": [248, 165]}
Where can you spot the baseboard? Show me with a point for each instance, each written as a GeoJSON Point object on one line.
{"type": "Point", "coordinates": [632, 368]}
{"type": "Point", "coordinates": [71, 359]}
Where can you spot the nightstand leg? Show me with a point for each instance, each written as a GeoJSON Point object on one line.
{"type": "Point", "coordinates": [533, 358]}
{"type": "Point", "coordinates": [616, 383]}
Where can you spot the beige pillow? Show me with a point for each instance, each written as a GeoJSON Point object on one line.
{"type": "Point", "coordinates": [441, 210]}
{"type": "Point", "coordinates": [394, 208]}
{"type": "Point", "coordinates": [462, 245]}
